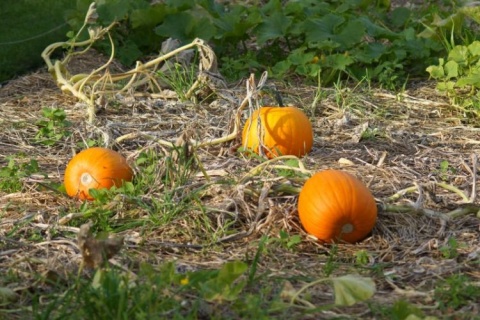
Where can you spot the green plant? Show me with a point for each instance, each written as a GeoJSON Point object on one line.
{"type": "Point", "coordinates": [331, 264]}
{"type": "Point", "coordinates": [445, 169]}
{"type": "Point", "coordinates": [450, 249]}
{"type": "Point", "coordinates": [302, 37]}
{"type": "Point", "coordinates": [12, 174]}
{"type": "Point", "coordinates": [285, 240]}
{"type": "Point", "coordinates": [54, 128]}
{"type": "Point", "coordinates": [456, 291]}
{"type": "Point", "coordinates": [180, 78]}
{"type": "Point", "coordinates": [362, 257]}
{"type": "Point", "coordinates": [400, 310]}
{"type": "Point", "coordinates": [458, 75]}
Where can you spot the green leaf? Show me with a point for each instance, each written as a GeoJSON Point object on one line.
{"type": "Point", "coordinates": [338, 61]}
{"type": "Point", "coordinates": [351, 34]}
{"type": "Point", "coordinates": [231, 271]}
{"type": "Point", "coordinates": [459, 54]}
{"type": "Point", "coordinates": [472, 79]}
{"type": "Point", "coordinates": [184, 26]}
{"type": "Point", "coordinates": [223, 286]}
{"type": "Point", "coordinates": [400, 16]}
{"type": "Point", "coordinates": [436, 72]}
{"type": "Point", "coordinates": [451, 69]}
{"type": "Point", "coordinates": [325, 28]}
{"type": "Point", "coordinates": [273, 27]}
{"type": "Point", "coordinates": [129, 52]}
{"type": "Point", "coordinates": [112, 10]}
{"type": "Point", "coordinates": [148, 17]}
{"type": "Point", "coordinates": [474, 49]}
{"type": "Point", "coordinates": [351, 289]}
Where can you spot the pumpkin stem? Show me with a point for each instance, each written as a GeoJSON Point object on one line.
{"type": "Point", "coordinates": [347, 228]}
{"type": "Point", "coordinates": [86, 178]}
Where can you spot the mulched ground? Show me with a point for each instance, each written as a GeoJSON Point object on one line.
{"type": "Point", "coordinates": [392, 142]}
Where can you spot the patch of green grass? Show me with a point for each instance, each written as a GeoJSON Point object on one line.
{"type": "Point", "coordinates": [12, 174]}
{"type": "Point", "coordinates": [456, 291]}
{"type": "Point", "coordinates": [180, 77]}
{"type": "Point", "coordinates": [399, 310]}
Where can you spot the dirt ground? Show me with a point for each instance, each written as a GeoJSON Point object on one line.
{"type": "Point", "coordinates": [415, 152]}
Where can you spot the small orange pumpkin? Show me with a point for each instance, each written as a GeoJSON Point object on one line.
{"type": "Point", "coordinates": [95, 168]}
{"type": "Point", "coordinates": [280, 131]}
{"type": "Point", "coordinates": [335, 206]}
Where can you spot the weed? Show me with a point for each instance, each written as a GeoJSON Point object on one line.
{"type": "Point", "coordinates": [331, 264]}
{"type": "Point", "coordinates": [12, 174]}
{"type": "Point", "coordinates": [180, 78]}
{"type": "Point", "coordinates": [285, 240]}
{"type": "Point", "coordinates": [362, 258]}
{"type": "Point", "coordinates": [450, 249]}
{"type": "Point", "coordinates": [456, 291]}
{"type": "Point", "coordinates": [400, 310]}
{"type": "Point", "coordinates": [54, 128]}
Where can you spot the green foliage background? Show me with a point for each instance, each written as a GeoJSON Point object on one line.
{"type": "Point", "coordinates": [25, 27]}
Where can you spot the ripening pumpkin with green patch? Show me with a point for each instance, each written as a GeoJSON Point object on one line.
{"type": "Point", "coordinates": [275, 131]}
{"type": "Point", "coordinates": [95, 168]}
{"type": "Point", "coordinates": [334, 206]}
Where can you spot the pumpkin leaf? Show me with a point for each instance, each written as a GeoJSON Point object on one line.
{"type": "Point", "coordinates": [350, 289]}
{"type": "Point", "coordinates": [273, 27]}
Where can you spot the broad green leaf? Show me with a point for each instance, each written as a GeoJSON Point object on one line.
{"type": "Point", "coordinates": [459, 54]}
{"type": "Point", "coordinates": [273, 27]}
{"type": "Point", "coordinates": [338, 61]}
{"type": "Point", "coordinates": [230, 271]}
{"type": "Point", "coordinates": [148, 17]}
{"type": "Point", "coordinates": [223, 286]}
{"type": "Point", "coordinates": [472, 79]}
{"type": "Point", "coordinates": [281, 68]}
{"type": "Point", "coordinates": [113, 10]}
{"type": "Point", "coordinates": [325, 28]}
{"type": "Point", "coordinates": [351, 34]}
{"type": "Point", "coordinates": [351, 289]}
{"type": "Point", "coordinates": [447, 86]}
{"type": "Point", "coordinates": [451, 69]}
{"type": "Point", "coordinates": [180, 5]}
{"type": "Point", "coordinates": [436, 72]}
{"type": "Point", "coordinates": [370, 52]}
{"type": "Point", "coordinates": [377, 31]}
{"type": "Point", "coordinates": [474, 49]}
{"type": "Point", "coordinates": [184, 26]}
{"type": "Point", "coordinates": [129, 52]}
{"type": "Point", "coordinates": [400, 16]}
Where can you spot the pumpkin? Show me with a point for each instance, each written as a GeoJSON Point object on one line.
{"type": "Point", "coordinates": [335, 206]}
{"type": "Point", "coordinates": [95, 168]}
{"type": "Point", "coordinates": [275, 131]}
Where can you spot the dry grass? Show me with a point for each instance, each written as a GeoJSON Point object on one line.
{"type": "Point", "coordinates": [408, 137]}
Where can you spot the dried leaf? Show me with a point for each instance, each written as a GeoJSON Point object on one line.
{"type": "Point", "coordinates": [96, 252]}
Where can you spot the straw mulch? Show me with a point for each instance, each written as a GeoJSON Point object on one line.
{"type": "Point", "coordinates": [391, 142]}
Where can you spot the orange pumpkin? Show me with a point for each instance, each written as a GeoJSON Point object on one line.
{"type": "Point", "coordinates": [335, 206]}
{"type": "Point", "coordinates": [95, 168]}
{"type": "Point", "coordinates": [276, 131]}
